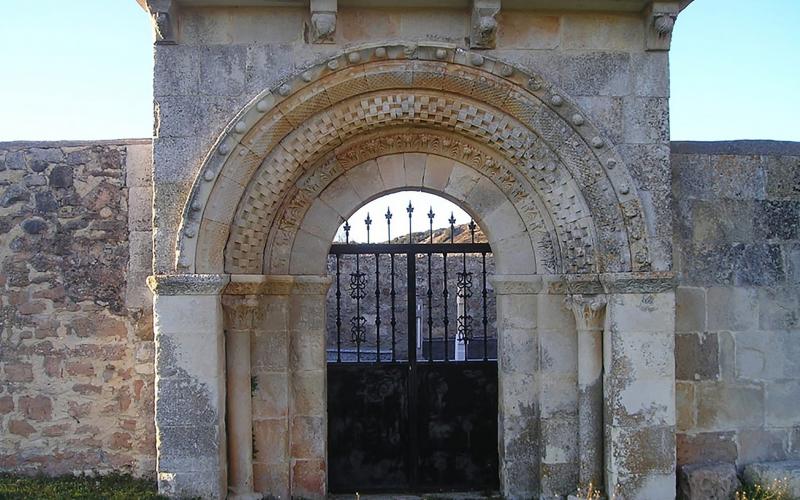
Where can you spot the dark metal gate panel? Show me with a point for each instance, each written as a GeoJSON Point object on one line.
{"type": "Point", "coordinates": [367, 427]}
{"type": "Point", "coordinates": [405, 413]}
{"type": "Point", "coordinates": [457, 422]}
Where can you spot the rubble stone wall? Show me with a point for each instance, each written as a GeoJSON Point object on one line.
{"type": "Point", "coordinates": [737, 252]}
{"type": "Point", "coordinates": [76, 335]}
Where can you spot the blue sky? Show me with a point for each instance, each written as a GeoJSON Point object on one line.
{"type": "Point", "coordinates": [80, 69]}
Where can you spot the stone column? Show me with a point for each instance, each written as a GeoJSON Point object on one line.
{"type": "Point", "coordinates": [639, 386]}
{"type": "Point", "coordinates": [589, 313]}
{"type": "Point", "coordinates": [243, 312]}
{"type": "Point", "coordinates": [190, 385]}
{"type": "Point", "coordinates": [308, 390]}
{"type": "Point", "coordinates": [518, 360]}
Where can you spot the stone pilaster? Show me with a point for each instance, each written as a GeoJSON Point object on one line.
{"type": "Point", "coordinates": [589, 311]}
{"type": "Point", "coordinates": [518, 407]}
{"type": "Point", "coordinates": [243, 314]}
{"type": "Point", "coordinates": [639, 387]}
{"type": "Point", "coordinates": [190, 385]}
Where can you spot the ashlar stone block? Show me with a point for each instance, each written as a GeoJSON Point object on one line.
{"type": "Point", "coordinates": [707, 482]}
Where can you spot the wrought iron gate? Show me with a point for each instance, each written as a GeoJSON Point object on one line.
{"type": "Point", "coordinates": [412, 381]}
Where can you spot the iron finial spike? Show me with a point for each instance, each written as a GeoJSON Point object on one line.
{"type": "Point", "coordinates": [410, 210]}
{"type": "Point", "coordinates": [431, 215]}
{"type": "Point", "coordinates": [472, 229]}
{"type": "Point", "coordinates": [347, 231]}
{"type": "Point", "coordinates": [368, 222]}
{"type": "Point", "coordinates": [388, 225]}
{"type": "Point", "coordinates": [452, 221]}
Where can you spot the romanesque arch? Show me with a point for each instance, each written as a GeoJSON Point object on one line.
{"type": "Point", "coordinates": [518, 125]}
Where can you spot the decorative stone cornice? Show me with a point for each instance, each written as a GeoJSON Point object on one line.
{"type": "Point", "coordinates": [311, 285]}
{"type": "Point", "coordinates": [187, 284]}
{"type": "Point", "coordinates": [484, 24]}
{"type": "Point", "coordinates": [608, 283]}
{"type": "Point", "coordinates": [259, 284]}
{"type": "Point", "coordinates": [247, 284]}
{"type": "Point", "coordinates": [516, 284]}
{"type": "Point", "coordinates": [589, 311]}
{"type": "Point", "coordinates": [655, 282]}
{"type": "Point", "coordinates": [164, 18]}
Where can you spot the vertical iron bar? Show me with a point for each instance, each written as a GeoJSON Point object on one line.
{"type": "Point", "coordinates": [445, 295]}
{"type": "Point", "coordinates": [338, 313]}
{"type": "Point", "coordinates": [465, 312]}
{"type": "Point", "coordinates": [430, 312]}
{"type": "Point", "coordinates": [368, 222]}
{"type": "Point", "coordinates": [358, 312]}
{"type": "Point", "coordinates": [347, 231]}
{"type": "Point", "coordinates": [411, 297]}
{"type": "Point", "coordinates": [485, 319]}
{"type": "Point", "coordinates": [411, 286]}
{"type": "Point", "coordinates": [378, 306]}
{"type": "Point", "coordinates": [394, 318]}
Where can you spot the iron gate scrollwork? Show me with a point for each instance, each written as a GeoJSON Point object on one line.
{"type": "Point", "coordinates": [412, 401]}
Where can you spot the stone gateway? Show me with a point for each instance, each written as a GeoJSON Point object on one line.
{"type": "Point", "coordinates": [645, 294]}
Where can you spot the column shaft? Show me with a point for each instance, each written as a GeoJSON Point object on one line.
{"type": "Point", "coordinates": [242, 312]}
{"type": "Point", "coordinates": [589, 314]}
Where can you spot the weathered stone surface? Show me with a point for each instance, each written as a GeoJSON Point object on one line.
{"type": "Point", "coordinates": [707, 482]}
{"type": "Point", "coordinates": [762, 445]}
{"type": "Point", "coordinates": [706, 447]}
{"type": "Point", "coordinates": [728, 406]}
{"type": "Point", "coordinates": [696, 356]}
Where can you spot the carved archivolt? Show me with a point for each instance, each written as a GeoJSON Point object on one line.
{"type": "Point", "coordinates": [524, 127]}
{"type": "Point", "coordinates": [515, 186]}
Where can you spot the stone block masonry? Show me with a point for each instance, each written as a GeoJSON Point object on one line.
{"type": "Point", "coordinates": [76, 346]}
{"type": "Point", "coordinates": [737, 251]}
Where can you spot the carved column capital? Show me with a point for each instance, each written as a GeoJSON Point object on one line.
{"type": "Point", "coordinates": [484, 24]}
{"type": "Point", "coordinates": [242, 312]}
{"type": "Point", "coordinates": [164, 18]}
{"type": "Point", "coordinates": [589, 311]}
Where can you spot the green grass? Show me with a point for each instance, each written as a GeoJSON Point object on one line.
{"type": "Point", "coordinates": [112, 487]}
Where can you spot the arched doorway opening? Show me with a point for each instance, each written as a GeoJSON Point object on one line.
{"type": "Point", "coordinates": [412, 380]}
